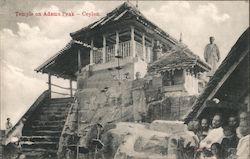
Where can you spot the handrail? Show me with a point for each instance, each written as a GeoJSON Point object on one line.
{"type": "Point", "coordinates": [60, 93]}
{"type": "Point", "coordinates": [97, 55]}
{"type": "Point", "coordinates": [61, 86]}
{"type": "Point", "coordinates": [139, 49]}
{"type": "Point", "coordinates": [123, 49]}
{"type": "Point", "coordinates": [71, 109]}
{"type": "Point", "coordinates": [19, 125]}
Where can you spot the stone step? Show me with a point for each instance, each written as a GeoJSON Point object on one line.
{"type": "Point", "coordinates": [47, 119]}
{"type": "Point", "coordinates": [53, 101]}
{"type": "Point", "coordinates": [66, 98]}
{"type": "Point", "coordinates": [41, 144]}
{"type": "Point", "coordinates": [50, 118]}
{"type": "Point", "coordinates": [58, 109]}
{"type": "Point", "coordinates": [56, 104]}
{"type": "Point", "coordinates": [48, 123]}
{"type": "Point", "coordinates": [53, 114]}
{"type": "Point", "coordinates": [40, 138]}
{"type": "Point", "coordinates": [42, 132]}
{"type": "Point", "coordinates": [46, 127]}
{"type": "Point", "coordinates": [49, 111]}
{"type": "Point", "coordinates": [35, 153]}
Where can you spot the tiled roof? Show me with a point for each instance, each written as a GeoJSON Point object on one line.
{"type": "Point", "coordinates": [126, 11]}
{"type": "Point", "coordinates": [178, 58]}
{"type": "Point", "coordinates": [65, 62]}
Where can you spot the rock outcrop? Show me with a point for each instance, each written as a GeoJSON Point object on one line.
{"type": "Point", "coordinates": [135, 141]}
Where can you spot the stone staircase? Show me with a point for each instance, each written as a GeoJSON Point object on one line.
{"type": "Point", "coordinates": [42, 130]}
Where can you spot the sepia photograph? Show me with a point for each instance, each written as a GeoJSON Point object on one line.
{"type": "Point", "coordinates": [127, 79]}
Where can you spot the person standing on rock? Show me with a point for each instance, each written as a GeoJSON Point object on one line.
{"type": "Point", "coordinates": [8, 125]}
{"type": "Point", "coordinates": [212, 55]}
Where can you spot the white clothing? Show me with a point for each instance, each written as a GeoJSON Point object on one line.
{"type": "Point", "coordinates": [212, 56]}
{"type": "Point", "coordinates": [243, 147]}
{"type": "Point", "coordinates": [213, 136]}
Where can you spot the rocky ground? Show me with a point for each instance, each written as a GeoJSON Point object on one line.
{"type": "Point", "coordinates": [144, 141]}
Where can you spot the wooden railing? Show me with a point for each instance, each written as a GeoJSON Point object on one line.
{"type": "Point", "coordinates": [139, 50]}
{"type": "Point", "coordinates": [110, 53]}
{"type": "Point", "coordinates": [17, 129]}
{"type": "Point", "coordinates": [62, 93]}
{"type": "Point", "coordinates": [97, 56]}
{"type": "Point", "coordinates": [124, 50]}
{"type": "Point", "coordinates": [73, 109]}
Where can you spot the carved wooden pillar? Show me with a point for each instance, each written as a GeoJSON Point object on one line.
{"type": "Point", "coordinates": [150, 53]}
{"type": "Point", "coordinates": [104, 49]}
{"type": "Point", "coordinates": [91, 52]}
{"type": "Point", "coordinates": [79, 61]}
{"type": "Point", "coordinates": [71, 89]}
{"type": "Point", "coordinates": [49, 84]}
{"type": "Point", "coordinates": [157, 50]}
{"type": "Point", "coordinates": [143, 46]}
{"type": "Point", "coordinates": [117, 43]}
{"type": "Point", "coordinates": [132, 42]}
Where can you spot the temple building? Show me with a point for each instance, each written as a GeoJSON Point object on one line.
{"type": "Point", "coordinates": [179, 72]}
{"type": "Point", "coordinates": [126, 42]}
{"type": "Point", "coordinates": [126, 69]}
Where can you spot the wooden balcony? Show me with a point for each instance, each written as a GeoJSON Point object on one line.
{"type": "Point", "coordinates": [124, 50]}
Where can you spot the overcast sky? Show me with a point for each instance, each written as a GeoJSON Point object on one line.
{"type": "Point", "coordinates": [26, 42]}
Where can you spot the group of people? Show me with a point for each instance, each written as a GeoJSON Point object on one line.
{"type": "Point", "coordinates": [222, 139]}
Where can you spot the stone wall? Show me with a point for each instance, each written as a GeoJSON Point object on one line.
{"type": "Point", "coordinates": [169, 108]}
{"type": "Point", "coordinates": [96, 106]}
{"type": "Point", "coordinates": [191, 84]}
{"type": "Point", "coordinates": [121, 101]}
{"type": "Point", "coordinates": [140, 66]}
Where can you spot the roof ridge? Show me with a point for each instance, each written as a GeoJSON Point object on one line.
{"type": "Point", "coordinates": [133, 10]}
{"type": "Point", "coordinates": [48, 61]}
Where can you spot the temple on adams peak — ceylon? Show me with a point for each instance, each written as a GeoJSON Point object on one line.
{"type": "Point", "coordinates": [127, 69]}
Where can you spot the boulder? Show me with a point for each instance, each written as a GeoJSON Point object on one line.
{"type": "Point", "coordinates": [134, 141]}
{"type": "Point", "coordinates": [170, 127]}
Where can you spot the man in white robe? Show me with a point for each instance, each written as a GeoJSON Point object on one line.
{"type": "Point", "coordinates": [243, 148]}
{"type": "Point", "coordinates": [212, 55]}
{"type": "Point", "coordinates": [215, 135]}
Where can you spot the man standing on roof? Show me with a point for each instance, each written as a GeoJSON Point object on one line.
{"type": "Point", "coordinates": [212, 55]}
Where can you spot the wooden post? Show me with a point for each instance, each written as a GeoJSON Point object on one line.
{"type": "Point", "coordinates": [132, 41]}
{"type": "Point", "coordinates": [79, 61]}
{"type": "Point", "coordinates": [151, 53]}
{"type": "Point", "coordinates": [184, 78]}
{"type": "Point", "coordinates": [117, 43]}
{"type": "Point", "coordinates": [70, 86]}
{"type": "Point", "coordinates": [143, 46]}
{"type": "Point", "coordinates": [49, 84]}
{"type": "Point", "coordinates": [104, 49]}
{"type": "Point", "coordinates": [91, 52]}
